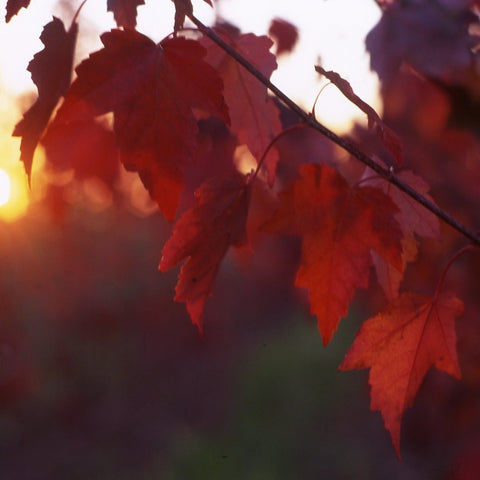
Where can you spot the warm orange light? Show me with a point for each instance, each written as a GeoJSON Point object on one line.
{"type": "Point", "coordinates": [13, 194]}
{"type": "Point", "coordinates": [244, 160]}
{"type": "Point", "coordinates": [4, 187]}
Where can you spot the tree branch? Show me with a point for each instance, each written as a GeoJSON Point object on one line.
{"type": "Point", "coordinates": [347, 145]}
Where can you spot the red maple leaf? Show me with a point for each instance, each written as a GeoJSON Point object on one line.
{"type": "Point", "coordinates": [400, 344]}
{"type": "Point", "coordinates": [202, 235]}
{"type": "Point", "coordinates": [153, 92]}
{"type": "Point", "coordinates": [254, 116]}
{"type": "Point", "coordinates": [124, 11]}
{"type": "Point", "coordinates": [415, 221]}
{"type": "Point", "coordinates": [14, 6]}
{"type": "Point", "coordinates": [285, 34]}
{"type": "Point", "coordinates": [51, 71]}
{"type": "Point", "coordinates": [339, 226]}
{"type": "Point", "coordinates": [66, 148]}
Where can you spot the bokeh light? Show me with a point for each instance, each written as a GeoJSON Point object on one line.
{"type": "Point", "coordinates": [4, 187]}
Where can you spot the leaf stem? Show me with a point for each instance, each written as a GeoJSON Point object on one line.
{"type": "Point", "coordinates": [317, 97]}
{"type": "Point", "coordinates": [345, 144]}
{"type": "Point", "coordinates": [454, 257]}
{"type": "Point", "coordinates": [272, 142]}
{"type": "Point", "coordinates": [78, 12]}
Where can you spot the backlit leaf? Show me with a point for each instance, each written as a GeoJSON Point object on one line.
{"type": "Point", "coordinates": [153, 92]}
{"type": "Point", "coordinates": [202, 237]}
{"type": "Point", "coordinates": [414, 220]}
{"type": "Point", "coordinates": [339, 226]}
{"type": "Point", "coordinates": [13, 7]}
{"type": "Point", "coordinates": [399, 345]}
{"type": "Point", "coordinates": [254, 116]}
{"type": "Point", "coordinates": [124, 11]}
{"type": "Point", "coordinates": [51, 71]}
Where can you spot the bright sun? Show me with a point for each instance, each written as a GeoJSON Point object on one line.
{"type": "Point", "coordinates": [4, 187]}
{"type": "Point", "coordinates": [14, 193]}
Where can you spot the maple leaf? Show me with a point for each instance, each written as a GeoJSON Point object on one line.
{"type": "Point", "coordinates": [183, 8]}
{"type": "Point", "coordinates": [339, 226]}
{"type": "Point", "coordinates": [124, 11]}
{"type": "Point", "coordinates": [153, 92]}
{"type": "Point", "coordinates": [14, 6]}
{"type": "Point", "coordinates": [414, 220]}
{"type": "Point", "coordinates": [202, 235]}
{"type": "Point", "coordinates": [66, 148]}
{"type": "Point", "coordinates": [51, 70]}
{"type": "Point", "coordinates": [254, 116]}
{"type": "Point", "coordinates": [389, 277]}
{"type": "Point", "coordinates": [285, 34]}
{"type": "Point", "coordinates": [399, 345]}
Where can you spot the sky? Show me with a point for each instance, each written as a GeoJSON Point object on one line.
{"type": "Point", "coordinates": [331, 31]}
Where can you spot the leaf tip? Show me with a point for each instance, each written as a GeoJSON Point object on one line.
{"type": "Point", "coordinates": [163, 264]}
{"type": "Point", "coordinates": [195, 310]}
{"type": "Point", "coordinates": [394, 431]}
{"type": "Point", "coordinates": [326, 336]}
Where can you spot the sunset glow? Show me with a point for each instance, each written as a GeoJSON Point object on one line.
{"type": "Point", "coordinates": [4, 187]}
{"type": "Point", "coordinates": [13, 195]}
{"type": "Point", "coordinates": [337, 44]}
{"type": "Point", "coordinates": [14, 192]}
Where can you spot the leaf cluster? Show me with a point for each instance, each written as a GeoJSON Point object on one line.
{"type": "Point", "coordinates": [162, 100]}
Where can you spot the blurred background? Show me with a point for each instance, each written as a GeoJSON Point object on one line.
{"type": "Point", "coordinates": [103, 376]}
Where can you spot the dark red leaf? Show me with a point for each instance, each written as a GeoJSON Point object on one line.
{"type": "Point", "coordinates": [285, 35]}
{"type": "Point", "coordinates": [124, 11]}
{"type": "Point", "coordinates": [51, 71]}
{"type": "Point", "coordinates": [86, 146]}
{"type": "Point", "coordinates": [154, 92]}
{"type": "Point", "coordinates": [203, 235]}
{"type": "Point", "coordinates": [14, 6]}
{"type": "Point", "coordinates": [414, 220]}
{"type": "Point", "coordinates": [254, 116]}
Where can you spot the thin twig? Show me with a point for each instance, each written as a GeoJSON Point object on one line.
{"type": "Point", "coordinates": [347, 145]}
{"type": "Point", "coordinates": [457, 254]}
{"type": "Point", "coordinates": [272, 143]}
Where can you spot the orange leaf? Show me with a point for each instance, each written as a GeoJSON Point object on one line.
{"type": "Point", "coordinates": [203, 235]}
{"type": "Point", "coordinates": [339, 226]}
{"type": "Point", "coordinates": [400, 344]}
{"type": "Point", "coordinates": [153, 91]}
